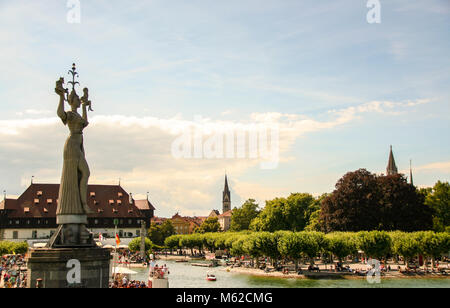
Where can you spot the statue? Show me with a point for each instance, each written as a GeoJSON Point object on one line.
{"type": "Point", "coordinates": [72, 209]}
{"type": "Point", "coordinates": [71, 258]}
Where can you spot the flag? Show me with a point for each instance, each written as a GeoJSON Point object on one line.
{"type": "Point", "coordinates": [117, 239]}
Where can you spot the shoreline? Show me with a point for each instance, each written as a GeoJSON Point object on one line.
{"type": "Point", "coordinates": [330, 275]}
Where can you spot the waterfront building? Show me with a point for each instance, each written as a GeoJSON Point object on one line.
{"type": "Point", "coordinates": [186, 224]}
{"type": "Point", "coordinates": [32, 215]}
{"type": "Point", "coordinates": [225, 220]}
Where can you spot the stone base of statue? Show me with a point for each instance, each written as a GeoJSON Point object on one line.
{"type": "Point", "coordinates": [68, 267]}
{"type": "Point", "coordinates": [71, 259]}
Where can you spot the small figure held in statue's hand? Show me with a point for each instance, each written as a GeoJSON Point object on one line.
{"type": "Point", "coordinates": [85, 99]}
{"type": "Point", "coordinates": [59, 89]}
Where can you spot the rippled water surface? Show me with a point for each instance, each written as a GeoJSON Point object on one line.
{"type": "Point", "coordinates": [184, 275]}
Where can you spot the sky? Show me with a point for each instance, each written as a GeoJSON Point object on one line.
{"type": "Point", "coordinates": [337, 89]}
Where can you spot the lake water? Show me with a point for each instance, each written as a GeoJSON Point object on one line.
{"type": "Point", "coordinates": [184, 275]}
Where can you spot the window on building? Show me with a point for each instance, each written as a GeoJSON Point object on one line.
{"type": "Point", "coordinates": [34, 234]}
{"type": "Point", "coordinates": [120, 233]}
{"type": "Point", "coordinates": [92, 194]}
{"type": "Point", "coordinates": [39, 193]}
{"type": "Point", "coordinates": [96, 221]}
{"type": "Point", "coordinates": [130, 221]}
{"type": "Point", "coordinates": [49, 201]}
{"type": "Point", "coordinates": [15, 235]}
{"type": "Point", "coordinates": [17, 222]}
{"type": "Point", "coordinates": [36, 201]}
{"type": "Point", "coordinates": [138, 232]}
{"type": "Point", "coordinates": [119, 195]}
{"type": "Point", "coordinates": [119, 202]}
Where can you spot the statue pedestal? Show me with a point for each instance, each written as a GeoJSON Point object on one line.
{"type": "Point", "coordinates": [69, 267]}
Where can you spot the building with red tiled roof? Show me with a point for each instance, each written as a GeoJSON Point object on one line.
{"type": "Point", "coordinates": [33, 214]}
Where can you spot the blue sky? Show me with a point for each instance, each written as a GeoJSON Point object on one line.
{"type": "Point", "coordinates": [343, 90]}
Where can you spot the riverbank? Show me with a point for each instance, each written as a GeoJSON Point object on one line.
{"type": "Point", "coordinates": [178, 258]}
{"type": "Point", "coordinates": [324, 274]}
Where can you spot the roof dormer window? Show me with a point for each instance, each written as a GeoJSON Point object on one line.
{"type": "Point", "coordinates": [39, 193]}
{"type": "Point", "coordinates": [49, 201]}
{"type": "Point", "coordinates": [36, 201]}
{"type": "Point", "coordinates": [92, 194]}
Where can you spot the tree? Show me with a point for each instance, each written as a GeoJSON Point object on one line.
{"type": "Point", "coordinates": [375, 244]}
{"type": "Point", "coordinates": [405, 245]}
{"type": "Point", "coordinates": [211, 224]}
{"type": "Point", "coordinates": [237, 247]}
{"type": "Point", "coordinates": [353, 204]}
{"type": "Point", "coordinates": [291, 213]}
{"type": "Point", "coordinates": [364, 201]}
{"type": "Point", "coordinates": [434, 244]}
{"type": "Point", "coordinates": [438, 199]}
{"type": "Point", "coordinates": [135, 245]}
{"type": "Point", "coordinates": [242, 217]}
{"type": "Point", "coordinates": [341, 244]}
{"type": "Point", "coordinates": [311, 243]}
{"type": "Point", "coordinates": [158, 233]}
{"type": "Point", "coordinates": [289, 246]}
{"type": "Point", "coordinates": [401, 206]}
{"type": "Point", "coordinates": [172, 242]}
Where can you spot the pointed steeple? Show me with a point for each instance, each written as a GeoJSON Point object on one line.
{"type": "Point", "coordinates": [410, 174]}
{"type": "Point", "coordinates": [226, 200]}
{"type": "Point", "coordinates": [391, 167]}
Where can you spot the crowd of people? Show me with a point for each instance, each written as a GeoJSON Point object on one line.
{"type": "Point", "coordinates": [12, 272]}
{"type": "Point", "coordinates": [127, 257]}
{"type": "Point", "coordinates": [121, 282]}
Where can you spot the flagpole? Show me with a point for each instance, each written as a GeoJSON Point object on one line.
{"type": "Point", "coordinates": [115, 251]}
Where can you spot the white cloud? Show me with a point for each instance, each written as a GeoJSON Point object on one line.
{"type": "Point", "coordinates": [138, 150]}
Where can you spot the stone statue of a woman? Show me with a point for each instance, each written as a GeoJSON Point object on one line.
{"type": "Point", "coordinates": [73, 188]}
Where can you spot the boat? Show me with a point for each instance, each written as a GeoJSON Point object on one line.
{"type": "Point", "coordinates": [211, 277]}
{"type": "Point", "coordinates": [158, 278]}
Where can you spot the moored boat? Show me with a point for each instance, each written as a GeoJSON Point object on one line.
{"type": "Point", "coordinates": [211, 277]}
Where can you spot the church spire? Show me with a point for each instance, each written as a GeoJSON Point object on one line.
{"type": "Point", "coordinates": [226, 201]}
{"type": "Point", "coordinates": [410, 174]}
{"type": "Point", "coordinates": [391, 167]}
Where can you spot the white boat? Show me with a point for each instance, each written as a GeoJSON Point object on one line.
{"type": "Point", "coordinates": [158, 277]}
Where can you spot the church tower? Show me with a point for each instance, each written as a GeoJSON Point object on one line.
{"type": "Point", "coordinates": [226, 201]}
{"type": "Point", "coordinates": [391, 167]}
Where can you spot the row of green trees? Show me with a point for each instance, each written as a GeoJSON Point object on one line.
{"type": "Point", "coordinates": [293, 246]}
{"type": "Point", "coordinates": [7, 247]}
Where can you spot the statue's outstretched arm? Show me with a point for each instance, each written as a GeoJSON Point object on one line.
{"type": "Point", "coordinates": [61, 113]}
{"type": "Point", "coordinates": [61, 92]}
